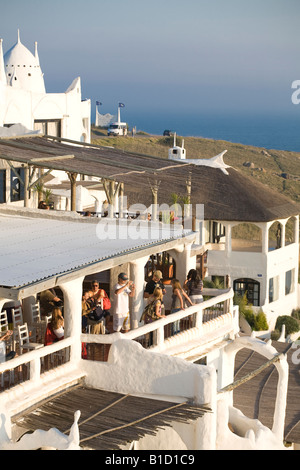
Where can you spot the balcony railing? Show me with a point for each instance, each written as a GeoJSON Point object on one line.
{"type": "Point", "coordinates": [31, 365]}
{"type": "Point", "coordinates": [199, 320]}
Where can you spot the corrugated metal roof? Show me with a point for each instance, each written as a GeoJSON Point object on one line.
{"type": "Point", "coordinates": [33, 249]}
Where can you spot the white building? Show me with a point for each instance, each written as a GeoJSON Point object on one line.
{"type": "Point", "coordinates": [249, 233]}
{"type": "Point", "coordinates": [165, 372]}
{"type": "Point", "coordinates": [25, 103]}
{"type": "Point", "coordinates": [24, 98]}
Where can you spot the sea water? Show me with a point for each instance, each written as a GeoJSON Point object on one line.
{"type": "Point", "coordinates": [280, 132]}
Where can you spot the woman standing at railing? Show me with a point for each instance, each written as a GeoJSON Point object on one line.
{"type": "Point", "coordinates": [178, 298]}
{"type": "Point", "coordinates": [194, 286]}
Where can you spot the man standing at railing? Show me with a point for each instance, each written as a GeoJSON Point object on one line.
{"type": "Point", "coordinates": [123, 290]}
{"type": "Point", "coordinates": [155, 282]}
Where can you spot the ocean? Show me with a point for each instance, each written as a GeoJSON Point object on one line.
{"type": "Point", "coordinates": [270, 132]}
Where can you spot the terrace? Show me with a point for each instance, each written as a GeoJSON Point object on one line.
{"type": "Point", "coordinates": [25, 378]}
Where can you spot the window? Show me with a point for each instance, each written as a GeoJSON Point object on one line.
{"type": "Point", "coordinates": [290, 231]}
{"type": "Point", "coordinates": [217, 231]}
{"type": "Point", "coordinates": [246, 237]}
{"type": "Point", "coordinates": [275, 236]}
{"type": "Point", "coordinates": [273, 289]}
{"type": "Point", "coordinates": [48, 127]}
{"type": "Point", "coordinates": [249, 287]}
{"type": "Point", "coordinates": [16, 188]}
{"type": "Point", "coordinates": [2, 186]}
{"type": "Point", "coordinates": [289, 281]}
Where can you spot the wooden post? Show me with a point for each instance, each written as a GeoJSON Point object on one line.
{"type": "Point", "coordinates": [72, 177]}
{"type": "Point", "coordinates": [26, 184]}
{"type": "Point", "coordinates": [121, 201]}
{"type": "Point", "coordinates": [111, 194]}
{"type": "Point", "coordinates": [189, 193]}
{"type": "Point", "coordinates": [154, 189]}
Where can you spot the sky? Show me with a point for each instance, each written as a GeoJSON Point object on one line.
{"type": "Point", "coordinates": [208, 56]}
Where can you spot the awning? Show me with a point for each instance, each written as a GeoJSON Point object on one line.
{"type": "Point", "coordinates": [41, 248]}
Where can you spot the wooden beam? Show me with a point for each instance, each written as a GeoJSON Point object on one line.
{"type": "Point", "coordinates": [50, 159]}
{"type": "Point", "coordinates": [252, 374]}
{"type": "Point", "coordinates": [39, 179]}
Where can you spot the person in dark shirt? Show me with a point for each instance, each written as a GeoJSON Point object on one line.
{"type": "Point", "coordinates": [194, 286]}
{"type": "Point", "coordinates": [156, 281]}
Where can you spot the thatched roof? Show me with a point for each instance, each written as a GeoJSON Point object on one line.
{"type": "Point", "coordinates": [108, 420]}
{"type": "Point", "coordinates": [231, 197]}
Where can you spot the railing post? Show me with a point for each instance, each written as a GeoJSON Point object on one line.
{"type": "Point", "coordinates": [160, 336]}
{"type": "Point", "coordinates": [35, 369]}
{"type": "Point", "coordinates": [199, 319]}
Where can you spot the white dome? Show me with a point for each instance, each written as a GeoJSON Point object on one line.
{"type": "Point", "coordinates": [22, 68]}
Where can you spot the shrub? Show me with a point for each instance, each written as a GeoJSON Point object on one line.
{"type": "Point", "coordinates": [275, 335]}
{"type": "Point", "coordinates": [291, 324]}
{"type": "Point", "coordinates": [257, 322]}
{"type": "Point", "coordinates": [296, 314]}
{"type": "Point", "coordinates": [260, 322]}
{"type": "Point", "coordinates": [249, 316]}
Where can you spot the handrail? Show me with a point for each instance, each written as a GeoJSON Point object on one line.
{"type": "Point", "coordinates": [34, 357]}
{"type": "Point", "coordinates": [36, 354]}
{"type": "Point", "coordinates": [159, 324]}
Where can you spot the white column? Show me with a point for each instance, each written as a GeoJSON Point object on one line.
{"type": "Point", "coordinates": [265, 239]}
{"type": "Point", "coordinates": [184, 261]}
{"type": "Point", "coordinates": [137, 275]}
{"type": "Point", "coordinates": [72, 291]}
{"type": "Point", "coordinates": [282, 235]}
{"type": "Point", "coordinates": [228, 240]}
{"type": "Point", "coordinates": [3, 301]}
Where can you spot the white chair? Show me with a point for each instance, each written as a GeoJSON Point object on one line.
{"type": "Point", "coordinates": [5, 346]}
{"type": "Point", "coordinates": [4, 328]}
{"type": "Point", "coordinates": [35, 313]}
{"type": "Point", "coordinates": [37, 326]}
{"type": "Point", "coordinates": [17, 316]}
{"type": "Point", "coordinates": [24, 340]}
{"type": "Point", "coordinates": [17, 319]}
{"type": "Point", "coordinates": [3, 322]}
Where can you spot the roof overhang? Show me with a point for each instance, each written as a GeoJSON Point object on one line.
{"type": "Point", "coordinates": [44, 251]}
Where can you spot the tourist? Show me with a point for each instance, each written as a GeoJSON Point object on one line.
{"type": "Point", "coordinates": [55, 329]}
{"type": "Point", "coordinates": [157, 303]}
{"type": "Point", "coordinates": [101, 299]}
{"type": "Point", "coordinates": [48, 301]}
{"type": "Point", "coordinates": [179, 297]}
{"type": "Point", "coordinates": [87, 306]}
{"type": "Point", "coordinates": [194, 286]}
{"type": "Point", "coordinates": [156, 281]}
{"type": "Point", "coordinates": [122, 290]}
{"type": "Point", "coordinates": [95, 288]}
{"type": "Point", "coordinates": [4, 356]}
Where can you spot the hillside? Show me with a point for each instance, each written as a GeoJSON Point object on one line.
{"type": "Point", "coordinates": [277, 168]}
